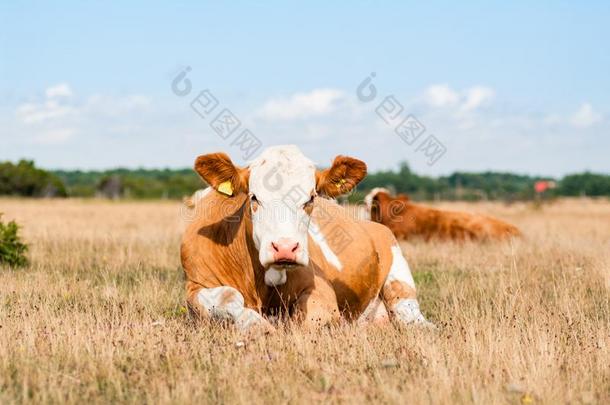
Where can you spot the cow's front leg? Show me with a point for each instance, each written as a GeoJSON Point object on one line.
{"type": "Point", "coordinates": [317, 306]}
{"type": "Point", "coordinates": [399, 294]}
{"type": "Point", "coordinates": [226, 304]}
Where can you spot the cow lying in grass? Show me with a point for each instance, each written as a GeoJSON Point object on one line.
{"type": "Point", "coordinates": [407, 220]}
{"type": "Point", "coordinates": [268, 238]}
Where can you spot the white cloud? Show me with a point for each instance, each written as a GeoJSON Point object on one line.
{"type": "Point", "coordinates": [50, 108]}
{"type": "Point", "coordinates": [476, 97]}
{"type": "Point", "coordinates": [30, 113]}
{"type": "Point", "coordinates": [302, 105]}
{"type": "Point", "coordinates": [441, 95]}
{"type": "Point", "coordinates": [582, 118]}
{"type": "Point", "coordinates": [59, 90]}
{"type": "Point", "coordinates": [585, 116]}
{"type": "Point", "coordinates": [59, 116]}
{"type": "Point", "coordinates": [459, 108]}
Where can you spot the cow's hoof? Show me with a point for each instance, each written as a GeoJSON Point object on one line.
{"type": "Point", "coordinates": [420, 322]}
{"type": "Point", "coordinates": [259, 330]}
{"type": "Point", "coordinates": [252, 323]}
{"type": "Point", "coordinates": [407, 312]}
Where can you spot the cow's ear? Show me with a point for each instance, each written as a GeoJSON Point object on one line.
{"type": "Point", "coordinates": [341, 177]}
{"type": "Point", "coordinates": [220, 173]}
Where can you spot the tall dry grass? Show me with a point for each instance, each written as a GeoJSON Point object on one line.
{"type": "Point", "coordinates": [98, 317]}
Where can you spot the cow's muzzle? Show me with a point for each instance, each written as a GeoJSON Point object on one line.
{"type": "Point", "coordinates": [285, 251]}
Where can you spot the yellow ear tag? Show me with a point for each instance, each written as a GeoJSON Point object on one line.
{"type": "Point", "coordinates": [226, 188]}
{"type": "Point", "coordinates": [340, 183]}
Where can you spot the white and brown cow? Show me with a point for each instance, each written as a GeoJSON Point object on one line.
{"type": "Point", "coordinates": [269, 238]}
{"type": "Point", "coordinates": [408, 220]}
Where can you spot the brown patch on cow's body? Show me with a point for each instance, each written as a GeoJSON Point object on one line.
{"type": "Point", "coordinates": [227, 297]}
{"type": "Point", "coordinates": [407, 220]}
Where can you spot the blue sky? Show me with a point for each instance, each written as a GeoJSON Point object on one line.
{"type": "Point", "coordinates": [516, 87]}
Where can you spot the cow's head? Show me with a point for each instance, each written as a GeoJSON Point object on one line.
{"type": "Point", "coordinates": [282, 185]}
{"type": "Point", "coordinates": [371, 200]}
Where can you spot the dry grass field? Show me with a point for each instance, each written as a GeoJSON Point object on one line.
{"type": "Point", "coordinates": [98, 317]}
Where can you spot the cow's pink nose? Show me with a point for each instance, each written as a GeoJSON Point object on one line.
{"type": "Point", "coordinates": [285, 250]}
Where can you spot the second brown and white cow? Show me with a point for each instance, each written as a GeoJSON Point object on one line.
{"type": "Point", "coordinates": [269, 238]}
{"type": "Point", "coordinates": [408, 220]}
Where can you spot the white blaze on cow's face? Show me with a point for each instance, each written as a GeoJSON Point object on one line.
{"type": "Point", "coordinates": [282, 186]}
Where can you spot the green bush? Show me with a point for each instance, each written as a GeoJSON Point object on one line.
{"type": "Point", "coordinates": [25, 179]}
{"type": "Point", "coordinates": [12, 250]}
{"type": "Point", "coordinates": [589, 184]}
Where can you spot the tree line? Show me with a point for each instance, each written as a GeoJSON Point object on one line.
{"type": "Point", "coordinates": [25, 179]}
